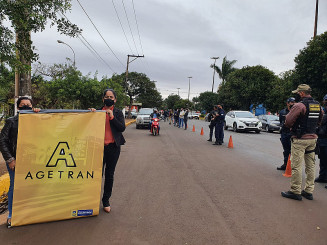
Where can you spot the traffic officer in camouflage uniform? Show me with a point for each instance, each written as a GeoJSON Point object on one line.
{"type": "Point", "coordinates": [285, 133]}
{"type": "Point", "coordinates": [303, 120]}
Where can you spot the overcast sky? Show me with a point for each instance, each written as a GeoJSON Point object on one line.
{"type": "Point", "coordinates": [178, 37]}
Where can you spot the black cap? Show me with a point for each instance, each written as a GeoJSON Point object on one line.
{"type": "Point", "coordinates": [291, 99]}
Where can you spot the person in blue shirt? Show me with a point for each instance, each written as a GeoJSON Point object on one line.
{"type": "Point", "coordinates": [154, 114]}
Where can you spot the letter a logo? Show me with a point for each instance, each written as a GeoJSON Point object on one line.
{"type": "Point", "coordinates": [62, 153]}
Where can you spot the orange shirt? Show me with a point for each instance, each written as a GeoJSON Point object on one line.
{"type": "Point", "coordinates": [108, 137]}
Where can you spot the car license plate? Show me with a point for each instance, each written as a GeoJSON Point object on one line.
{"type": "Point", "coordinates": [252, 125]}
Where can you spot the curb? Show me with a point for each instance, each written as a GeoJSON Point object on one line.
{"type": "Point", "coordinates": [129, 123]}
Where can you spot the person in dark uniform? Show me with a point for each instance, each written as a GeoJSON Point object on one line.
{"type": "Point", "coordinates": [211, 119]}
{"type": "Point", "coordinates": [185, 118]}
{"type": "Point", "coordinates": [322, 143]}
{"type": "Point", "coordinates": [219, 130]}
{"type": "Point", "coordinates": [285, 133]}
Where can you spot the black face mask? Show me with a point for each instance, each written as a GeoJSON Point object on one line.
{"type": "Point", "coordinates": [109, 102]}
{"type": "Point", "coordinates": [297, 98]}
{"type": "Point", "coordinates": [25, 107]}
{"type": "Point", "coordinates": [291, 106]}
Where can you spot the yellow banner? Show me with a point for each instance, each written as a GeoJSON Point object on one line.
{"type": "Point", "coordinates": [58, 166]}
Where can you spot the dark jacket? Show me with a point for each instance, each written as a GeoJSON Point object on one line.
{"type": "Point", "coordinates": [282, 118]}
{"type": "Point", "coordinates": [8, 138]}
{"type": "Point", "coordinates": [185, 116]}
{"type": "Point", "coordinates": [117, 126]}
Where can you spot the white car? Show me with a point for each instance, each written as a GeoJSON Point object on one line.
{"type": "Point", "coordinates": [242, 121]}
{"type": "Point", "coordinates": [143, 118]}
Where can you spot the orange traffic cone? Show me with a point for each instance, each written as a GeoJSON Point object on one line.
{"type": "Point", "coordinates": [193, 129]}
{"type": "Point", "coordinates": [230, 143]}
{"type": "Point", "coordinates": [288, 171]}
{"type": "Point", "coordinates": [202, 131]}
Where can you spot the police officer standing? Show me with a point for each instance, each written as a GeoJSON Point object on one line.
{"type": "Point", "coordinates": [219, 130]}
{"type": "Point", "coordinates": [322, 143]}
{"type": "Point", "coordinates": [285, 133]}
{"type": "Point", "coordinates": [303, 120]}
{"type": "Point", "coordinates": [211, 119]}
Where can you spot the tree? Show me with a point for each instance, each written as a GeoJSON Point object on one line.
{"type": "Point", "coordinates": [28, 16]}
{"type": "Point", "coordinates": [138, 87]}
{"type": "Point", "coordinates": [171, 101]}
{"type": "Point", "coordinates": [311, 66]}
{"type": "Point", "coordinates": [207, 100]}
{"type": "Point", "coordinates": [246, 86]}
{"type": "Point", "coordinates": [226, 68]}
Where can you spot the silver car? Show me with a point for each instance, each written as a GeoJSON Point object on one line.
{"type": "Point", "coordinates": [143, 118]}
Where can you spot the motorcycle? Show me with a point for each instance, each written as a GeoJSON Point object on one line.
{"type": "Point", "coordinates": [155, 126]}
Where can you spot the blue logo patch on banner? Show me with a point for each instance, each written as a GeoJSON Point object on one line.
{"type": "Point", "coordinates": [78, 213]}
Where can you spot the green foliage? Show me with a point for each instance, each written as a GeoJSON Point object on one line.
{"type": "Point", "coordinates": [206, 101]}
{"type": "Point", "coordinates": [226, 68]}
{"type": "Point", "coordinates": [28, 16]}
{"type": "Point", "coordinates": [311, 66]}
{"type": "Point", "coordinates": [140, 88]}
{"type": "Point", "coordinates": [7, 84]}
{"type": "Point", "coordinates": [72, 90]}
{"type": "Point", "coordinates": [171, 100]}
{"type": "Point", "coordinates": [246, 86]}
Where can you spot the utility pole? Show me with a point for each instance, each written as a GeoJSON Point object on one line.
{"type": "Point", "coordinates": [189, 88]}
{"type": "Point", "coordinates": [316, 20]}
{"type": "Point", "coordinates": [178, 91]}
{"type": "Point", "coordinates": [214, 70]}
{"type": "Point", "coordinates": [126, 81]}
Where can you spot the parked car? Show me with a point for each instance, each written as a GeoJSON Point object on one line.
{"type": "Point", "coordinates": [194, 115]}
{"type": "Point", "coordinates": [133, 114]}
{"type": "Point", "coordinates": [143, 118]}
{"type": "Point", "coordinates": [242, 121]}
{"type": "Point", "coordinates": [270, 123]}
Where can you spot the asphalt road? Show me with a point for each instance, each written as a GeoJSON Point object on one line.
{"type": "Point", "coordinates": [177, 188]}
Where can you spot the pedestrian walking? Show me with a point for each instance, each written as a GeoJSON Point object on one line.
{"type": "Point", "coordinates": [176, 117]}
{"type": "Point", "coordinates": [181, 118]}
{"type": "Point", "coordinates": [303, 119]}
{"type": "Point", "coordinates": [211, 119]}
{"type": "Point", "coordinates": [219, 127]}
{"type": "Point", "coordinates": [186, 118]}
{"type": "Point", "coordinates": [8, 146]}
{"type": "Point", "coordinates": [285, 132]}
{"type": "Point", "coordinates": [322, 144]}
{"type": "Point", "coordinates": [115, 125]}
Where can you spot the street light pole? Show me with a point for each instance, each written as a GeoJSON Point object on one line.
{"type": "Point", "coordinates": [189, 87]}
{"type": "Point", "coordinates": [59, 41]}
{"type": "Point", "coordinates": [213, 78]}
{"type": "Point", "coordinates": [316, 20]}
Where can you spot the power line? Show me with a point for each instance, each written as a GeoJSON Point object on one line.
{"type": "Point", "coordinates": [130, 26]}
{"type": "Point", "coordinates": [99, 33]}
{"type": "Point", "coordinates": [89, 46]}
{"type": "Point", "coordinates": [137, 26]}
{"type": "Point", "coordinates": [121, 25]}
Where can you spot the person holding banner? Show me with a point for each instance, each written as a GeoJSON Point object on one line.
{"type": "Point", "coordinates": [115, 125]}
{"type": "Point", "coordinates": [8, 145]}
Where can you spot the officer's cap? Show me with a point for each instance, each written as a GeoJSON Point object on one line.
{"type": "Point", "coordinates": [302, 87]}
{"type": "Point", "coordinates": [291, 99]}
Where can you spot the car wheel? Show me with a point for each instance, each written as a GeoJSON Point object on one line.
{"type": "Point", "coordinates": [235, 127]}
{"type": "Point", "coordinates": [137, 126]}
{"type": "Point", "coordinates": [225, 126]}
{"type": "Point", "coordinates": [257, 131]}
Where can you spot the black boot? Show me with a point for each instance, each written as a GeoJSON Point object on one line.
{"type": "Point", "coordinates": [209, 140]}
{"type": "Point", "coordinates": [216, 143]}
{"type": "Point", "coordinates": [283, 167]}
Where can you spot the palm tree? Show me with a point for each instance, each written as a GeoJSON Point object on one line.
{"type": "Point", "coordinates": [226, 68]}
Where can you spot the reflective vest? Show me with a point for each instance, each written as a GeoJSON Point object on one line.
{"type": "Point", "coordinates": [307, 124]}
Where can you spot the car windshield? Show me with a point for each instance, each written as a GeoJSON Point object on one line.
{"type": "Point", "coordinates": [272, 118]}
{"type": "Point", "coordinates": [244, 114]}
{"type": "Point", "coordinates": [145, 111]}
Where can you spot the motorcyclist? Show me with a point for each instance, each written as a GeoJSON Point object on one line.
{"type": "Point", "coordinates": [154, 114]}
